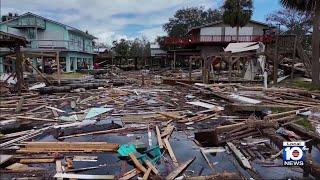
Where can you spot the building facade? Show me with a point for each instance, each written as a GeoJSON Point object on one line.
{"type": "Point", "coordinates": [44, 36]}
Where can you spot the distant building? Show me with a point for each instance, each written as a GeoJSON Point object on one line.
{"type": "Point", "coordinates": [75, 47]}
{"type": "Point", "coordinates": [156, 50]}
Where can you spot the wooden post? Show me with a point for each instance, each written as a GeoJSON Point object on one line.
{"type": "Point", "coordinates": [174, 59]}
{"type": "Point", "coordinates": [293, 56]}
{"type": "Point", "coordinates": [58, 68]}
{"type": "Point", "coordinates": [275, 62]}
{"type": "Point", "coordinates": [230, 66]}
{"type": "Point", "coordinates": [190, 67]}
{"type": "Point", "coordinates": [19, 69]}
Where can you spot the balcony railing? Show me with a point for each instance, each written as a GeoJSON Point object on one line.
{"type": "Point", "coordinates": [27, 22]}
{"type": "Point", "coordinates": [60, 44]}
{"type": "Point", "coordinates": [214, 39]}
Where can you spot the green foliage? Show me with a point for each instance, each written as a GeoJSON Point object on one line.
{"type": "Point", "coordinates": [237, 13]}
{"type": "Point", "coordinates": [121, 48]}
{"type": "Point", "coordinates": [302, 5]}
{"type": "Point", "coordinates": [186, 18]}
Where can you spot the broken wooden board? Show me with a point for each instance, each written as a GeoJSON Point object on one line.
{"type": "Point", "coordinates": [85, 158]}
{"type": "Point", "coordinates": [241, 158]}
{"type": "Point", "coordinates": [150, 165]}
{"type": "Point", "coordinates": [68, 147]}
{"type": "Point", "coordinates": [146, 174]}
{"type": "Point", "coordinates": [19, 105]}
{"type": "Point", "coordinates": [137, 163]}
{"type": "Point", "coordinates": [167, 131]}
{"type": "Point", "coordinates": [130, 174]}
{"type": "Point", "coordinates": [179, 169]}
{"type": "Point", "coordinates": [171, 153]}
{"type": "Point", "coordinates": [171, 115]}
{"type": "Point", "coordinates": [205, 105]}
{"type": "Point", "coordinates": [59, 168]}
{"type": "Point", "coordinates": [160, 143]}
{"type": "Point", "coordinates": [34, 161]}
{"type": "Point", "coordinates": [83, 176]}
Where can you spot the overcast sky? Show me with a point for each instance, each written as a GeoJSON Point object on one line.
{"type": "Point", "coordinates": [114, 19]}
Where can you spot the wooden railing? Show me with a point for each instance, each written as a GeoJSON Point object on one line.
{"type": "Point", "coordinates": [214, 39]}
{"type": "Point", "coordinates": [61, 44]}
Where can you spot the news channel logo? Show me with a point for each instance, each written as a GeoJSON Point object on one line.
{"type": "Point", "coordinates": [293, 153]}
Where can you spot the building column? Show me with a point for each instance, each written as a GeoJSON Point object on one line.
{"type": "Point", "coordinates": [75, 64]}
{"type": "Point", "coordinates": [90, 63]}
{"type": "Point", "coordinates": [35, 65]}
{"type": "Point", "coordinates": [1, 66]}
{"type": "Point", "coordinates": [68, 64]}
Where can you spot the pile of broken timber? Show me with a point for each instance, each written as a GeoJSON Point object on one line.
{"type": "Point", "coordinates": [46, 147]}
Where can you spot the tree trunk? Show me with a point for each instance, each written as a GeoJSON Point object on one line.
{"type": "Point", "coordinates": [316, 46]}
{"type": "Point", "coordinates": [238, 33]}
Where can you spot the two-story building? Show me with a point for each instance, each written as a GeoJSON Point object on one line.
{"type": "Point", "coordinates": [75, 47]}
{"type": "Point", "coordinates": [213, 37]}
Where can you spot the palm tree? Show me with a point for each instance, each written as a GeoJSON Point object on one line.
{"type": "Point", "coordinates": [313, 7]}
{"type": "Point", "coordinates": [237, 13]}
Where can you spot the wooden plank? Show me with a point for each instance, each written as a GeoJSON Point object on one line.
{"type": "Point", "coordinates": [241, 158]}
{"type": "Point", "coordinates": [19, 105]}
{"type": "Point", "coordinates": [160, 143]}
{"type": "Point", "coordinates": [172, 155]}
{"type": "Point", "coordinates": [167, 131]}
{"type": "Point", "coordinates": [146, 174]}
{"type": "Point", "coordinates": [68, 147]}
{"type": "Point", "coordinates": [33, 161]}
{"type": "Point", "coordinates": [150, 165]}
{"type": "Point", "coordinates": [83, 176]}
{"type": "Point", "coordinates": [137, 163]}
{"type": "Point", "coordinates": [179, 169]}
{"type": "Point", "coordinates": [130, 174]}
{"type": "Point", "coordinates": [36, 119]}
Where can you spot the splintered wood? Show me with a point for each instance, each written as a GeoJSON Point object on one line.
{"type": "Point", "coordinates": [68, 147]}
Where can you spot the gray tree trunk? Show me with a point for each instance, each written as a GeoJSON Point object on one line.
{"type": "Point", "coordinates": [315, 69]}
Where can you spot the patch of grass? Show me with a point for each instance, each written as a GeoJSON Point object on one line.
{"type": "Point", "coordinates": [305, 123]}
{"type": "Point", "coordinates": [303, 85]}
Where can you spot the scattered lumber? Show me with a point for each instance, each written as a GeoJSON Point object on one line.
{"type": "Point", "coordinates": [241, 158]}
{"type": "Point", "coordinates": [137, 163]}
{"type": "Point", "coordinates": [67, 147]}
{"type": "Point", "coordinates": [160, 143]}
{"type": "Point", "coordinates": [179, 169]}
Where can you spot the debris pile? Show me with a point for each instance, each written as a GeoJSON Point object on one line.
{"type": "Point", "coordinates": [132, 126]}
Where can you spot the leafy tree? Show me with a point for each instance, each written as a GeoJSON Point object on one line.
{"type": "Point", "coordinates": [121, 48]}
{"type": "Point", "coordinates": [293, 22]}
{"type": "Point", "coordinates": [186, 18]}
{"type": "Point", "coordinates": [312, 7]}
{"type": "Point", "coordinates": [237, 13]}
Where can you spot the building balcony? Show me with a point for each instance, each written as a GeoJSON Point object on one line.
{"type": "Point", "coordinates": [206, 39]}
{"type": "Point", "coordinates": [28, 22]}
{"type": "Point", "coordinates": [60, 45]}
